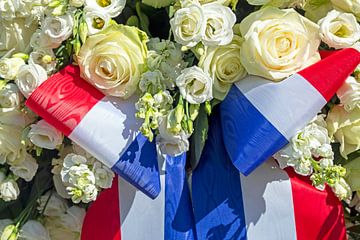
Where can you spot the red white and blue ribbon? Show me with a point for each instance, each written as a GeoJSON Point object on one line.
{"type": "Point", "coordinates": [259, 117]}
{"type": "Point", "coordinates": [270, 203]}
{"type": "Point", "coordinates": [104, 126]}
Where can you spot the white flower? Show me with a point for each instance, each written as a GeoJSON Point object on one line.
{"type": "Point", "coordinates": [103, 175]}
{"type": "Point", "coordinates": [351, 6]}
{"type": "Point", "coordinates": [9, 67]}
{"type": "Point", "coordinates": [70, 161]}
{"type": "Point", "coordinates": [111, 7]}
{"type": "Point", "coordinates": [278, 43]}
{"type": "Point", "coordinates": [349, 94]}
{"type": "Point", "coordinates": [96, 20]}
{"type": "Point", "coordinates": [29, 78]}
{"type": "Point", "coordinates": [195, 85]}
{"type": "Point", "coordinates": [76, 3]}
{"type": "Point", "coordinates": [40, 40]}
{"type": "Point", "coordinates": [44, 135]}
{"type": "Point", "coordinates": [26, 169]}
{"type": "Point", "coordinates": [11, 148]}
{"type": "Point", "coordinates": [10, 96]}
{"type": "Point", "coordinates": [339, 30]}
{"type": "Point", "coordinates": [58, 28]}
{"type": "Point", "coordinates": [44, 57]}
{"type": "Point", "coordinates": [342, 189]}
{"type": "Point", "coordinates": [54, 206]}
{"type": "Point", "coordinates": [188, 25]}
{"type": "Point", "coordinates": [33, 230]}
{"type": "Point", "coordinates": [219, 23]}
{"type": "Point", "coordinates": [9, 190]}
{"type": "Point", "coordinates": [169, 143]}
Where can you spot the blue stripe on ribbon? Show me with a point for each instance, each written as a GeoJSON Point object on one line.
{"type": "Point", "coordinates": [216, 191]}
{"type": "Point", "coordinates": [179, 218]}
{"type": "Point", "coordinates": [139, 166]}
{"type": "Point", "coordinates": [250, 139]}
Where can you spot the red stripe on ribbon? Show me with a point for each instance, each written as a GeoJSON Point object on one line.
{"type": "Point", "coordinates": [102, 219]}
{"type": "Point", "coordinates": [64, 99]}
{"type": "Point", "coordinates": [329, 74]}
{"type": "Point", "coordinates": [318, 214]}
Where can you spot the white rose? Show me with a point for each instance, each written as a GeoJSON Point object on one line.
{"type": "Point", "coordinates": [96, 20]}
{"type": "Point", "coordinates": [278, 43]}
{"type": "Point", "coordinates": [73, 219]}
{"type": "Point", "coordinates": [349, 94]}
{"type": "Point", "coordinates": [339, 30]}
{"type": "Point", "coordinates": [44, 135]}
{"type": "Point", "coordinates": [352, 6]}
{"type": "Point", "coordinates": [76, 3]}
{"type": "Point", "coordinates": [219, 23]}
{"type": "Point", "coordinates": [54, 206]}
{"type": "Point", "coordinates": [111, 7]}
{"type": "Point", "coordinates": [44, 57]}
{"type": "Point", "coordinates": [10, 96]}
{"type": "Point", "coordinates": [103, 175]}
{"type": "Point", "coordinates": [195, 85]}
{"type": "Point", "coordinates": [16, 34]}
{"type": "Point", "coordinates": [9, 190]}
{"type": "Point", "coordinates": [26, 169]}
{"type": "Point", "coordinates": [9, 67]}
{"type": "Point", "coordinates": [11, 148]}
{"type": "Point", "coordinates": [33, 230]}
{"type": "Point", "coordinates": [188, 25]}
{"type": "Point", "coordinates": [169, 143]}
{"type": "Point", "coordinates": [58, 28]}
{"type": "Point", "coordinates": [29, 78]}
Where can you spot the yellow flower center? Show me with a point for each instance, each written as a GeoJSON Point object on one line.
{"type": "Point", "coordinates": [103, 3]}
{"type": "Point", "coordinates": [98, 23]}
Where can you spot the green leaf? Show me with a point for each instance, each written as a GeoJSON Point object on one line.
{"type": "Point", "coordinates": [144, 20]}
{"type": "Point", "coordinates": [198, 139]}
{"type": "Point", "coordinates": [158, 3]}
{"type": "Point", "coordinates": [133, 21]}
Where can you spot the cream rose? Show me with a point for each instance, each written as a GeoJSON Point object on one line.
{"type": "Point", "coordinates": [349, 94]}
{"type": "Point", "coordinates": [113, 60]}
{"type": "Point", "coordinates": [110, 7]}
{"type": "Point", "coordinates": [57, 28]}
{"type": "Point", "coordinates": [219, 21]}
{"type": "Point", "coordinates": [16, 34]}
{"type": "Point", "coordinates": [10, 96]}
{"type": "Point", "coordinates": [224, 66]}
{"type": "Point", "coordinates": [29, 78]}
{"type": "Point", "coordinates": [44, 135]}
{"type": "Point", "coordinates": [351, 6]}
{"type": "Point", "coordinates": [188, 25]}
{"type": "Point", "coordinates": [9, 67]}
{"type": "Point", "coordinates": [278, 43]}
{"type": "Point", "coordinates": [339, 30]}
{"type": "Point", "coordinates": [195, 85]}
{"type": "Point", "coordinates": [345, 126]}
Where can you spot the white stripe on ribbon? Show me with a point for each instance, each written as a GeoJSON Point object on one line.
{"type": "Point", "coordinates": [113, 124]}
{"type": "Point", "coordinates": [289, 105]}
{"type": "Point", "coordinates": [268, 203]}
{"type": "Point", "coordinates": [141, 217]}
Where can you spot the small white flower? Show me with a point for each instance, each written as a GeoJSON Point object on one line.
{"type": "Point", "coordinates": [110, 7]}
{"type": "Point", "coordinates": [96, 20]}
{"type": "Point", "coordinates": [54, 206]}
{"type": "Point", "coordinates": [26, 169]}
{"type": "Point", "coordinates": [9, 67]}
{"type": "Point", "coordinates": [10, 96]}
{"type": "Point", "coordinates": [349, 94]}
{"type": "Point", "coordinates": [219, 23]}
{"type": "Point", "coordinates": [29, 78]}
{"type": "Point", "coordinates": [33, 230]}
{"type": "Point", "coordinates": [342, 189]}
{"type": "Point", "coordinates": [103, 175]}
{"type": "Point", "coordinates": [44, 135]}
{"type": "Point", "coordinates": [339, 30]}
{"type": "Point", "coordinates": [188, 25]}
{"type": "Point", "coordinates": [44, 57]}
{"type": "Point", "coordinates": [195, 85]}
{"type": "Point", "coordinates": [9, 190]}
{"type": "Point", "coordinates": [169, 143]}
{"type": "Point", "coordinates": [58, 28]}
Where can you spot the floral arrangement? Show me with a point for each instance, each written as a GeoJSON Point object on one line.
{"type": "Point", "coordinates": [180, 59]}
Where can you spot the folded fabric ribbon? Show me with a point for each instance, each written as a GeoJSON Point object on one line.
{"type": "Point", "coordinates": [104, 126]}
{"type": "Point", "coordinates": [259, 116]}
